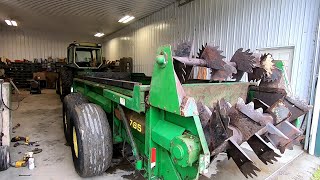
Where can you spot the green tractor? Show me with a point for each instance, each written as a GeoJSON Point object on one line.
{"type": "Point", "coordinates": [82, 57]}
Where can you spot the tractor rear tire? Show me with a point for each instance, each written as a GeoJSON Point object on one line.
{"type": "Point", "coordinates": [69, 102]}
{"type": "Point", "coordinates": [4, 158]}
{"type": "Point", "coordinates": [66, 78]}
{"type": "Point", "coordinates": [92, 140]}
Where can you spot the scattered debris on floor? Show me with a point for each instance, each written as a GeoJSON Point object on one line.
{"type": "Point", "coordinates": [26, 141]}
{"type": "Point", "coordinates": [19, 138]}
{"type": "Point", "coordinates": [36, 151]}
{"type": "Point", "coordinates": [27, 160]}
{"type": "Point", "coordinates": [16, 126]}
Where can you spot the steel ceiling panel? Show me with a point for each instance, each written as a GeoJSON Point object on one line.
{"type": "Point", "coordinates": [76, 16]}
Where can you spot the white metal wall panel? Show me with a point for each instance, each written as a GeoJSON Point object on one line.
{"type": "Point", "coordinates": [231, 24]}
{"type": "Point", "coordinates": [17, 44]}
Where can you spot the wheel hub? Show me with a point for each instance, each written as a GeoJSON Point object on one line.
{"type": "Point", "coordinates": [75, 142]}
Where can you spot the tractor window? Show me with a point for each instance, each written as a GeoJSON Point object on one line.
{"type": "Point", "coordinates": [88, 57]}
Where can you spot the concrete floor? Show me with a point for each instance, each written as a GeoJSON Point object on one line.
{"type": "Point", "coordinates": [41, 120]}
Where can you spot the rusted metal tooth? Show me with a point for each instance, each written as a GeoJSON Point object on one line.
{"type": "Point", "coordinates": [268, 71]}
{"type": "Point", "coordinates": [293, 133]}
{"type": "Point", "coordinates": [289, 136]}
{"type": "Point", "coordinates": [274, 135]}
{"type": "Point", "coordinates": [268, 95]}
{"type": "Point", "coordinates": [213, 55]}
{"type": "Point", "coordinates": [217, 129]}
{"type": "Point", "coordinates": [218, 132]}
{"type": "Point", "coordinates": [260, 104]}
{"type": "Point", "coordinates": [204, 113]}
{"type": "Point", "coordinates": [279, 111]}
{"type": "Point", "coordinates": [236, 137]}
{"type": "Point", "coordinates": [201, 50]}
{"type": "Point", "coordinates": [255, 114]}
{"type": "Point", "coordinates": [223, 107]}
{"type": "Point", "coordinates": [246, 126]}
{"type": "Point", "coordinates": [296, 107]}
{"type": "Point", "coordinates": [224, 73]}
{"type": "Point", "coordinates": [241, 159]}
{"type": "Point", "coordinates": [271, 129]}
{"type": "Point", "coordinates": [244, 60]}
{"type": "Point", "coordinates": [262, 150]}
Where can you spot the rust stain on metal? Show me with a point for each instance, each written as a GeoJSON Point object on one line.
{"type": "Point", "coordinates": [262, 150]}
{"type": "Point", "coordinates": [210, 93]}
{"type": "Point", "coordinates": [279, 111]}
{"type": "Point", "coordinates": [213, 56]}
{"type": "Point", "coordinates": [296, 107]}
{"type": "Point", "coordinates": [246, 126]}
{"type": "Point", "coordinates": [242, 160]}
{"type": "Point", "coordinates": [255, 114]}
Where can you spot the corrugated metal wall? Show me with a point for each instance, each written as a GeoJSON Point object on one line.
{"type": "Point", "coordinates": [230, 24]}
{"type": "Point", "coordinates": [18, 44]}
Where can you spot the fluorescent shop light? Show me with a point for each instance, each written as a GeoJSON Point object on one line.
{"type": "Point", "coordinates": [99, 34]}
{"type": "Point", "coordinates": [14, 23]}
{"type": "Point", "coordinates": [124, 18]}
{"type": "Point", "coordinates": [8, 22]}
{"type": "Point", "coordinates": [129, 19]}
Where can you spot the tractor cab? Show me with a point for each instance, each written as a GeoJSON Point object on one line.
{"type": "Point", "coordinates": [84, 55]}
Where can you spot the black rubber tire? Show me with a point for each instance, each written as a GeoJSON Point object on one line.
{"type": "Point", "coordinates": [4, 158]}
{"type": "Point", "coordinates": [69, 102]}
{"type": "Point", "coordinates": [66, 78]}
{"type": "Point", "coordinates": [94, 140]}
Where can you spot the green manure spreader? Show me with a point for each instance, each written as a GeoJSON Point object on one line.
{"type": "Point", "coordinates": [176, 125]}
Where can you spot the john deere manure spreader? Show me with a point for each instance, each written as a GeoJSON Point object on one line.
{"type": "Point", "coordinates": [176, 125]}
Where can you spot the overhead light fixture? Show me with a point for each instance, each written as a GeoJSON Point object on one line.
{"type": "Point", "coordinates": [99, 34]}
{"type": "Point", "coordinates": [126, 19]}
{"type": "Point", "coordinates": [129, 19]}
{"type": "Point", "coordinates": [8, 22]}
{"type": "Point", "coordinates": [11, 23]}
{"type": "Point", "coordinates": [14, 23]}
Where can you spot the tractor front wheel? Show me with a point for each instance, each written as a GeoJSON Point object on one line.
{"type": "Point", "coordinates": [91, 140]}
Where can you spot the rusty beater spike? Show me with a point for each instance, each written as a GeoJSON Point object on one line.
{"type": "Point", "coordinates": [245, 61]}
{"type": "Point", "coordinates": [241, 159]}
{"type": "Point", "coordinates": [255, 114]}
{"type": "Point", "coordinates": [262, 150]}
{"type": "Point", "coordinates": [293, 134]}
{"type": "Point", "coordinates": [279, 111]}
{"type": "Point", "coordinates": [213, 56]}
{"type": "Point", "coordinates": [296, 107]}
